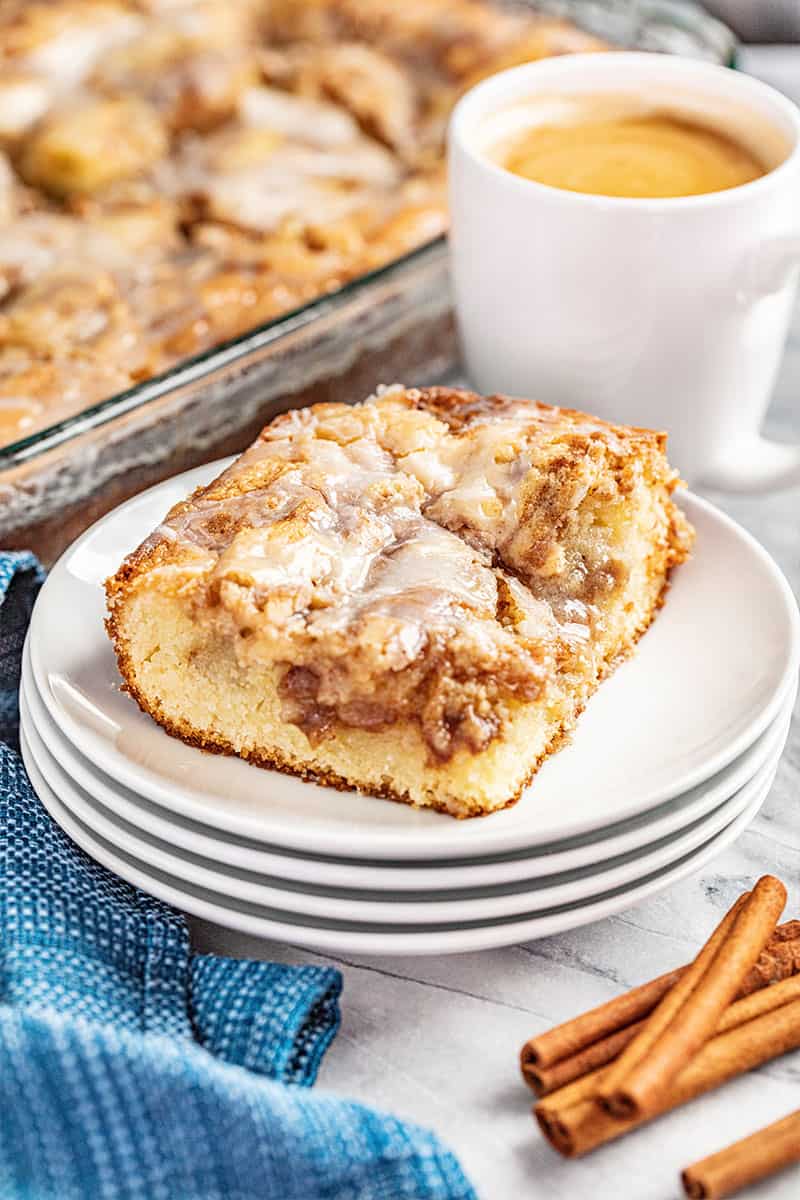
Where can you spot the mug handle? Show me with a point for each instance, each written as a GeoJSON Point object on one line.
{"type": "Point", "coordinates": [757, 464]}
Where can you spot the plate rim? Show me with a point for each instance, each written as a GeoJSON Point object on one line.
{"type": "Point", "coordinates": [102, 794]}
{"type": "Point", "coordinates": [422, 910]}
{"type": "Point", "coordinates": [491, 936]}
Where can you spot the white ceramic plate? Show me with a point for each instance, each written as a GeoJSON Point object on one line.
{"type": "Point", "coordinates": [352, 904]}
{"type": "Point", "coordinates": [352, 937]}
{"type": "Point", "coordinates": [208, 847]}
{"type": "Point", "coordinates": [706, 681]}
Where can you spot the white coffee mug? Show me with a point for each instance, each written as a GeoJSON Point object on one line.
{"type": "Point", "coordinates": [668, 313]}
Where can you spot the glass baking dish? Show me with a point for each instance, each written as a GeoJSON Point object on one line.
{"type": "Point", "coordinates": [394, 324]}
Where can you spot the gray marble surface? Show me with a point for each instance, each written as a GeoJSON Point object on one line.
{"type": "Point", "coordinates": [436, 1040]}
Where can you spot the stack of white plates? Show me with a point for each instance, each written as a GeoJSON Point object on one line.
{"type": "Point", "coordinates": [671, 760]}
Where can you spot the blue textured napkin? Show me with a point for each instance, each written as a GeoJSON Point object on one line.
{"type": "Point", "coordinates": [132, 1068]}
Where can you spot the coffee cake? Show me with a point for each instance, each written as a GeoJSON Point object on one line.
{"type": "Point", "coordinates": [414, 596]}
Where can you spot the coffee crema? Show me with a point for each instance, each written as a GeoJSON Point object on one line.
{"type": "Point", "coordinates": [640, 155]}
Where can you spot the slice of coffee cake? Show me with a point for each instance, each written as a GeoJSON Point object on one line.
{"type": "Point", "coordinates": [413, 596]}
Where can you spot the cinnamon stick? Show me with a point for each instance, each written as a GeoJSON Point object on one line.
{"type": "Point", "coordinates": [576, 1035]}
{"type": "Point", "coordinates": [688, 1015]}
{"type": "Point", "coordinates": [780, 960]}
{"type": "Point", "coordinates": [757, 1003]}
{"type": "Point", "coordinates": [579, 1124]}
{"type": "Point", "coordinates": [745, 1162]}
{"type": "Point", "coordinates": [544, 1080]}
{"type": "Point", "coordinates": [747, 1009]}
{"type": "Point", "coordinates": [664, 1011]}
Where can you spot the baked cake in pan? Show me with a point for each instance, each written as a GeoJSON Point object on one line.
{"type": "Point", "coordinates": [174, 173]}
{"type": "Point", "coordinates": [413, 596]}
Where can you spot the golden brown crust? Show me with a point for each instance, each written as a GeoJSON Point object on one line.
{"type": "Point", "coordinates": [459, 406]}
{"type": "Point", "coordinates": [456, 406]}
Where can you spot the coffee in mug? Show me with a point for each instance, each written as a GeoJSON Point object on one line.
{"type": "Point", "coordinates": [618, 146]}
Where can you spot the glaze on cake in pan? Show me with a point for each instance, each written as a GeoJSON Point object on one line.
{"type": "Point", "coordinates": [174, 173]}
{"type": "Point", "coordinates": [414, 596]}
